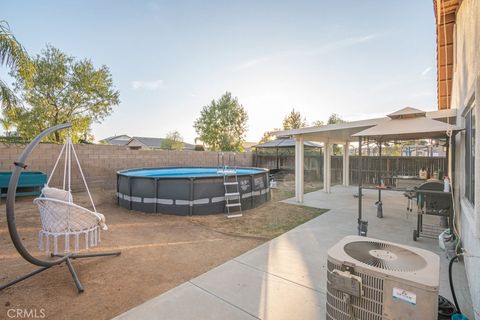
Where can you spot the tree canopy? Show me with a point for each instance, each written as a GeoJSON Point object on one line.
{"type": "Point", "coordinates": [63, 89]}
{"type": "Point", "coordinates": [294, 120]}
{"type": "Point", "coordinates": [14, 57]}
{"type": "Point", "coordinates": [318, 123]}
{"type": "Point", "coordinates": [268, 136]}
{"type": "Point", "coordinates": [222, 124]}
{"type": "Point", "coordinates": [334, 119]}
{"type": "Point", "coordinates": [173, 141]}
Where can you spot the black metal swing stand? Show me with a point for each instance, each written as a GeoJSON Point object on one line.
{"type": "Point", "coordinates": [67, 259]}
{"type": "Point", "coordinates": [12, 227]}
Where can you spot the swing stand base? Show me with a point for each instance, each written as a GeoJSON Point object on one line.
{"type": "Point", "coordinates": [68, 261]}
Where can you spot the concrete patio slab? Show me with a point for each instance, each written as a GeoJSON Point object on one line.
{"type": "Point", "coordinates": [261, 294]}
{"type": "Point", "coordinates": [285, 278]}
{"type": "Point", "coordinates": [186, 302]}
{"type": "Point", "coordinates": [292, 256]}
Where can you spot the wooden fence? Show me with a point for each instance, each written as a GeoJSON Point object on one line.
{"type": "Point", "coordinates": [391, 166]}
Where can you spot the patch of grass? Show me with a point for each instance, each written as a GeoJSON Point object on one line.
{"type": "Point", "coordinates": [267, 221]}
{"type": "Point", "coordinates": [286, 189]}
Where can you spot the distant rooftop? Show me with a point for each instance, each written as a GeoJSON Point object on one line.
{"type": "Point", "coordinates": [119, 140]}
{"type": "Point", "coordinates": [156, 143]}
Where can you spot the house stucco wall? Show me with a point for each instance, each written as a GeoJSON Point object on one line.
{"type": "Point", "coordinates": [101, 162]}
{"type": "Point", "coordinates": [465, 87]}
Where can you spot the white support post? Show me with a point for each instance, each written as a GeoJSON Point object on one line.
{"type": "Point", "coordinates": [346, 164]}
{"type": "Point", "coordinates": [299, 164]}
{"type": "Point", "coordinates": [329, 167]}
{"type": "Point", "coordinates": [326, 166]}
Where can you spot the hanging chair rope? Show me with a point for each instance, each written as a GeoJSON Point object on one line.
{"type": "Point", "coordinates": [56, 164]}
{"type": "Point", "coordinates": [64, 167]}
{"type": "Point", "coordinates": [69, 144]}
{"type": "Point", "coordinates": [60, 217]}
{"type": "Point", "coordinates": [84, 180]}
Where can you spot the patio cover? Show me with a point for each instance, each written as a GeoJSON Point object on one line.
{"type": "Point", "coordinates": [344, 133]}
{"type": "Point", "coordinates": [407, 124]}
{"type": "Point", "coordinates": [286, 143]}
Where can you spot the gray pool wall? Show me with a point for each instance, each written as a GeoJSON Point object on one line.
{"type": "Point", "coordinates": [188, 195]}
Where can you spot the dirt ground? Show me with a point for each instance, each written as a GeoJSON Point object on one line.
{"type": "Point", "coordinates": [159, 252]}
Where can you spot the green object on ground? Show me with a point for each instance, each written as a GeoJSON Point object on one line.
{"type": "Point", "coordinates": [30, 183]}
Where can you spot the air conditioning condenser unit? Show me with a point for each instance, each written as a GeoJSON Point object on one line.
{"type": "Point", "coordinates": [371, 279]}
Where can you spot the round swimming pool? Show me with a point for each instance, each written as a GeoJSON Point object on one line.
{"type": "Point", "coordinates": [188, 190]}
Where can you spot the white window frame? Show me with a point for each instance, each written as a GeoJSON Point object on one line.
{"type": "Point", "coordinates": [470, 153]}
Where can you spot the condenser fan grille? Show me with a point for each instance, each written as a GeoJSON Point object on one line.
{"type": "Point", "coordinates": [385, 256]}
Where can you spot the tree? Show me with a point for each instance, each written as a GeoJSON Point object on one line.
{"type": "Point", "coordinates": [14, 57]}
{"type": "Point", "coordinates": [268, 136]}
{"type": "Point", "coordinates": [222, 124]}
{"type": "Point", "coordinates": [7, 126]}
{"type": "Point", "coordinates": [173, 141]}
{"type": "Point", "coordinates": [294, 120]}
{"type": "Point", "coordinates": [318, 123]}
{"type": "Point", "coordinates": [199, 147]}
{"type": "Point", "coordinates": [63, 89]}
{"type": "Point", "coordinates": [334, 119]}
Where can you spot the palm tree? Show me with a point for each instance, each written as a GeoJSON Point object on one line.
{"type": "Point", "coordinates": [7, 125]}
{"type": "Point", "coordinates": [13, 56]}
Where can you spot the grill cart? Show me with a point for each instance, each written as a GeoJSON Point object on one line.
{"type": "Point", "coordinates": [432, 200]}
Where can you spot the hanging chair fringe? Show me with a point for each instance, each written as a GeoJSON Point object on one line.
{"type": "Point", "coordinates": [67, 242]}
{"type": "Point", "coordinates": [46, 240]}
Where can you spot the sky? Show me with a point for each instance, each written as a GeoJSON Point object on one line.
{"type": "Point", "coordinates": [168, 59]}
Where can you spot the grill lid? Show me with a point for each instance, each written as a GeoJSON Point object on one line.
{"type": "Point", "coordinates": [385, 256]}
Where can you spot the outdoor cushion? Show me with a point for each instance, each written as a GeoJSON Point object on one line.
{"type": "Point", "coordinates": [59, 194]}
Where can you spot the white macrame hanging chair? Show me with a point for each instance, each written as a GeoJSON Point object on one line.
{"type": "Point", "coordinates": [61, 218]}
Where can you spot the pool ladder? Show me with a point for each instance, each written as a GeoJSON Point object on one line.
{"type": "Point", "coordinates": [233, 198]}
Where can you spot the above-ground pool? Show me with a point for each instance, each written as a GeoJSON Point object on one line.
{"type": "Point", "coordinates": [188, 191]}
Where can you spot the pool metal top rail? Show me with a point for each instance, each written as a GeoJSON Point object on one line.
{"type": "Point", "coordinates": [125, 172]}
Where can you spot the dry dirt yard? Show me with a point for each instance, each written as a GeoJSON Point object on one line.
{"type": "Point", "coordinates": [159, 252]}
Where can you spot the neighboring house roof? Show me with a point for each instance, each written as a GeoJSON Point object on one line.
{"type": "Point", "coordinates": [119, 140]}
{"type": "Point", "coordinates": [286, 143]}
{"type": "Point", "coordinates": [156, 143]}
{"type": "Point", "coordinates": [188, 146]}
{"type": "Point", "coordinates": [248, 145]}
